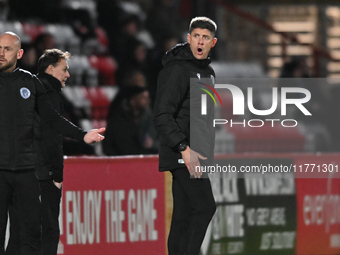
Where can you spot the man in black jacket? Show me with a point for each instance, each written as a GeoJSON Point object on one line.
{"type": "Point", "coordinates": [22, 96]}
{"type": "Point", "coordinates": [194, 204]}
{"type": "Point", "coordinates": [53, 73]}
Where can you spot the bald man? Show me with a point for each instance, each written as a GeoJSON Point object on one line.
{"type": "Point", "coordinates": [22, 96]}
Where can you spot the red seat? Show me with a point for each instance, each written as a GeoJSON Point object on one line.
{"type": "Point", "coordinates": [102, 37]}
{"type": "Point", "coordinates": [106, 67]}
{"type": "Point", "coordinates": [98, 123]}
{"type": "Point", "coordinates": [99, 102]}
{"type": "Point", "coordinates": [33, 30]}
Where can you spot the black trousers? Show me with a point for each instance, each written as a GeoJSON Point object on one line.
{"type": "Point", "coordinates": [50, 204]}
{"type": "Point", "coordinates": [20, 189]}
{"type": "Point", "coordinates": [194, 207]}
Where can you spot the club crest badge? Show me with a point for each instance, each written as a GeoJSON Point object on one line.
{"type": "Point", "coordinates": [25, 93]}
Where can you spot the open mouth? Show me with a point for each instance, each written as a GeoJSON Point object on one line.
{"type": "Point", "coordinates": [200, 51]}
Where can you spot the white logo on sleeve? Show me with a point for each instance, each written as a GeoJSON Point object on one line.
{"type": "Point", "coordinates": [212, 79]}
{"type": "Point", "coordinates": [25, 93]}
{"type": "Point", "coordinates": [199, 76]}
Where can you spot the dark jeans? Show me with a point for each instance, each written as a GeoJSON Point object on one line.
{"type": "Point", "coordinates": [50, 201]}
{"type": "Point", "coordinates": [20, 189]}
{"type": "Point", "coordinates": [194, 207]}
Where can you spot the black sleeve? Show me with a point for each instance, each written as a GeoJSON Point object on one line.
{"type": "Point", "coordinates": [172, 87]}
{"type": "Point", "coordinates": [52, 118]}
{"type": "Point", "coordinates": [121, 137]}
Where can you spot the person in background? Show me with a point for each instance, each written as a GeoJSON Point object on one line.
{"type": "Point", "coordinates": [22, 97]}
{"type": "Point", "coordinates": [194, 204]}
{"type": "Point", "coordinates": [155, 63]}
{"type": "Point", "coordinates": [29, 60]}
{"type": "Point", "coordinates": [44, 41]}
{"type": "Point", "coordinates": [129, 128]}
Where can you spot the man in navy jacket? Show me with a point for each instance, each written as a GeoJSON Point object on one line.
{"type": "Point", "coordinates": [22, 96]}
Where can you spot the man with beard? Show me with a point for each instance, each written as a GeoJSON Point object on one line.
{"type": "Point", "coordinates": [22, 96]}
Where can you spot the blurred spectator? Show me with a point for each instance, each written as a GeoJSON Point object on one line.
{"type": "Point", "coordinates": [4, 8]}
{"type": "Point", "coordinates": [81, 22]}
{"type": "Point", "coordinates": [29, 60]}
{"type": "Point", "coordinates": [109, 14]}
{"type": "Point", "coordinates": [123, 41]}
{"type": "Point", "coordinates": [130, 77]}
{"type": "Point", "coordinates": [127, 78]}
{"type": "Point", "coordinates": [43, 42]}
{"type": "Point", "coordinates": [119, 26]}
{"type": "Point", "coordinates": [135, 56]}
{"type": "Point", "coordinates": [319, 124]}
{"type": "Point", "coordinates": [295, 68]}
{"type": "Point", "coordinates": [123, 21]}
{"type": "Point", "coordinates": [129, 130]}
{"type": "Point", "coordinates": [163, 20]}
{"type": "Point", "coordinates": [155, 62]}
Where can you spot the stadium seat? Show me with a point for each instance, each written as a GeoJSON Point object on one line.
{"type": "Point", "coordinates": [65, 38]}
{"type": "Point", "coordinates": [76, 95]}
{"type": "Point", "coordinates": [102, 37]}
{"type": "Point", "coordinates": [16, 27]}
{"type": "Point", "coordinates": [33, 30]}
{"type": "Point", "coordinates": [99, 102]}
{"type": "Point", "coordinates": [106, 67]}
{"type": "Point", "coordinates": [81, 72]}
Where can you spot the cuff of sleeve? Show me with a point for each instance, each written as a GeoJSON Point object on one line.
{"type": "Point", "coordinates": [80, 136]}
{"type": "Point", "coordinates": [58, 179]}
{"type": "Point", "coordinates": [181, 145]}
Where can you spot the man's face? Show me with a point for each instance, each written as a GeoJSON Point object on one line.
{"type": "Point", "coordinates": [141, 102]}
{"type": "Point", "coordinates": [60, 71]}
{"type": "Point", "coordinates": [201, 41]}
{"type": "Point", "coordinates": [10, 52]}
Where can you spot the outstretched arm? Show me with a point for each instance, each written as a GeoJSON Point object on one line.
{"type": "Point", "coordinates": [94, 135]}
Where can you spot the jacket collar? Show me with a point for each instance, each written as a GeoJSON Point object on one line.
{"type": "Point", "coordinates": [54, 82]}
{"type": "Point", "coordinates": [182, 52]}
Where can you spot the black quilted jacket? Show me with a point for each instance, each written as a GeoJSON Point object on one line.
{"type": "Point", "coordinates": [172, 106]}
{"type": "Point", "coordinates": [22, 96]}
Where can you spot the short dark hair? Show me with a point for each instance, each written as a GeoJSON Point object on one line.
{"type": "Point", "coordinates": [51, 57]}
{"type": "Point", "coordinates": [204, 23]}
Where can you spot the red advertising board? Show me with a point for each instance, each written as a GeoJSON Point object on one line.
{"type": "Point", "coordinates": [122, 206]}
{"type": "Point", "coordinates": [112, 206]}
{"type": "Point", "coordinates": [318, 207]}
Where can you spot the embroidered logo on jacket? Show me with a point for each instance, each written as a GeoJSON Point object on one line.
{"type": "Point", "coordinates": [25, 93]}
